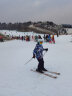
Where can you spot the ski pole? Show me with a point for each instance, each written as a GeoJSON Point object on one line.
{"type": "Point", "coordinates": [44, 53]}
{"type": "Point", "coordinates": [28, 61]}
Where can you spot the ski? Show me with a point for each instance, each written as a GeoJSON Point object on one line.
{"type": "Point", "coordinates": [56, 73]}
{"type": "Point", "coordinates": [46, 74]}
{"type": "Point", "coordinates": [53, 72]}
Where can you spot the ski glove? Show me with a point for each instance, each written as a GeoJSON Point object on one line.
{"type": "Point", "coordinates": [33, 56]}
{"type": "Point", "coordinates": [46, 49]}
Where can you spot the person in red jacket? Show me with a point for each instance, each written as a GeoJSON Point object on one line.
{"type": "Point", "coordinates": [53, 40]}
{"type": "Point", "coordinates": [1, 38]}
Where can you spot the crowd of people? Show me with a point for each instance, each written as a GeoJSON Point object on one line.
{"type": "Point", "coordinates": [47, 38]}
{"type": "Point", "coordinates": [33, 37]}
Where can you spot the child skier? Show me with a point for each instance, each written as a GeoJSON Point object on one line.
{"type": "Point", "coordinates": [38, 53]}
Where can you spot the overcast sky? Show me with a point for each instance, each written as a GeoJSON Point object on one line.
{"type": "Point", "coordinates": [58, 11]}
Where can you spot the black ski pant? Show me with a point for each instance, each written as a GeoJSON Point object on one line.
{"type": "Point", "coordinates": [41, 64]}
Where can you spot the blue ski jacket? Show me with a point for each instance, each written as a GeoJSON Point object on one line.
{"type": "Point", "coordinates": [38, 51]}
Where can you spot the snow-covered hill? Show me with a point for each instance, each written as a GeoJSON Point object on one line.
{"type": "Point", "coordinates": [16, 79]}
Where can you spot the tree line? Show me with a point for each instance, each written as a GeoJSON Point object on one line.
{"type": "Point", "coordinates": [15, 26]}
{"type": "Point", "coordinates": [24, 26]}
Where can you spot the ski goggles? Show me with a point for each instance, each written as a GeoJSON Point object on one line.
{"type": "Point", "coordinates": [41, 42]}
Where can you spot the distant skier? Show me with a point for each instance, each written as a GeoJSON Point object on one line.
{"type": "Point", "coordinates": [53, 39]}
{"type": "Point", "coordinates": [38, 53]}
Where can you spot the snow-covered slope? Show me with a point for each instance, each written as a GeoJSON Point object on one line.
{"type": "Point", "coordinates": [16, 79]}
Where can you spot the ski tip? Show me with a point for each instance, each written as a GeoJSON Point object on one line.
{"type": "Point", "coordinates": [55, 77]}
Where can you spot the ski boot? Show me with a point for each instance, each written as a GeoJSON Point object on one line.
{"type": "Point", "coordinates": [40, 71]}
{"type": "Point", "coordinates": [44, 69]}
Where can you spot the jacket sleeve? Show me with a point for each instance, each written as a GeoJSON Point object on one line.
{"type": "Point", "coordinates": [34, 51]}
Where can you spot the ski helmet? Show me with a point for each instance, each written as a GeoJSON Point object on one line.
{"type": "Point", "coordinates": [40, 41]}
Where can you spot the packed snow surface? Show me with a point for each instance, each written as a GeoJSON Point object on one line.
{"type": "Point", "coordinates": [16, 77]}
